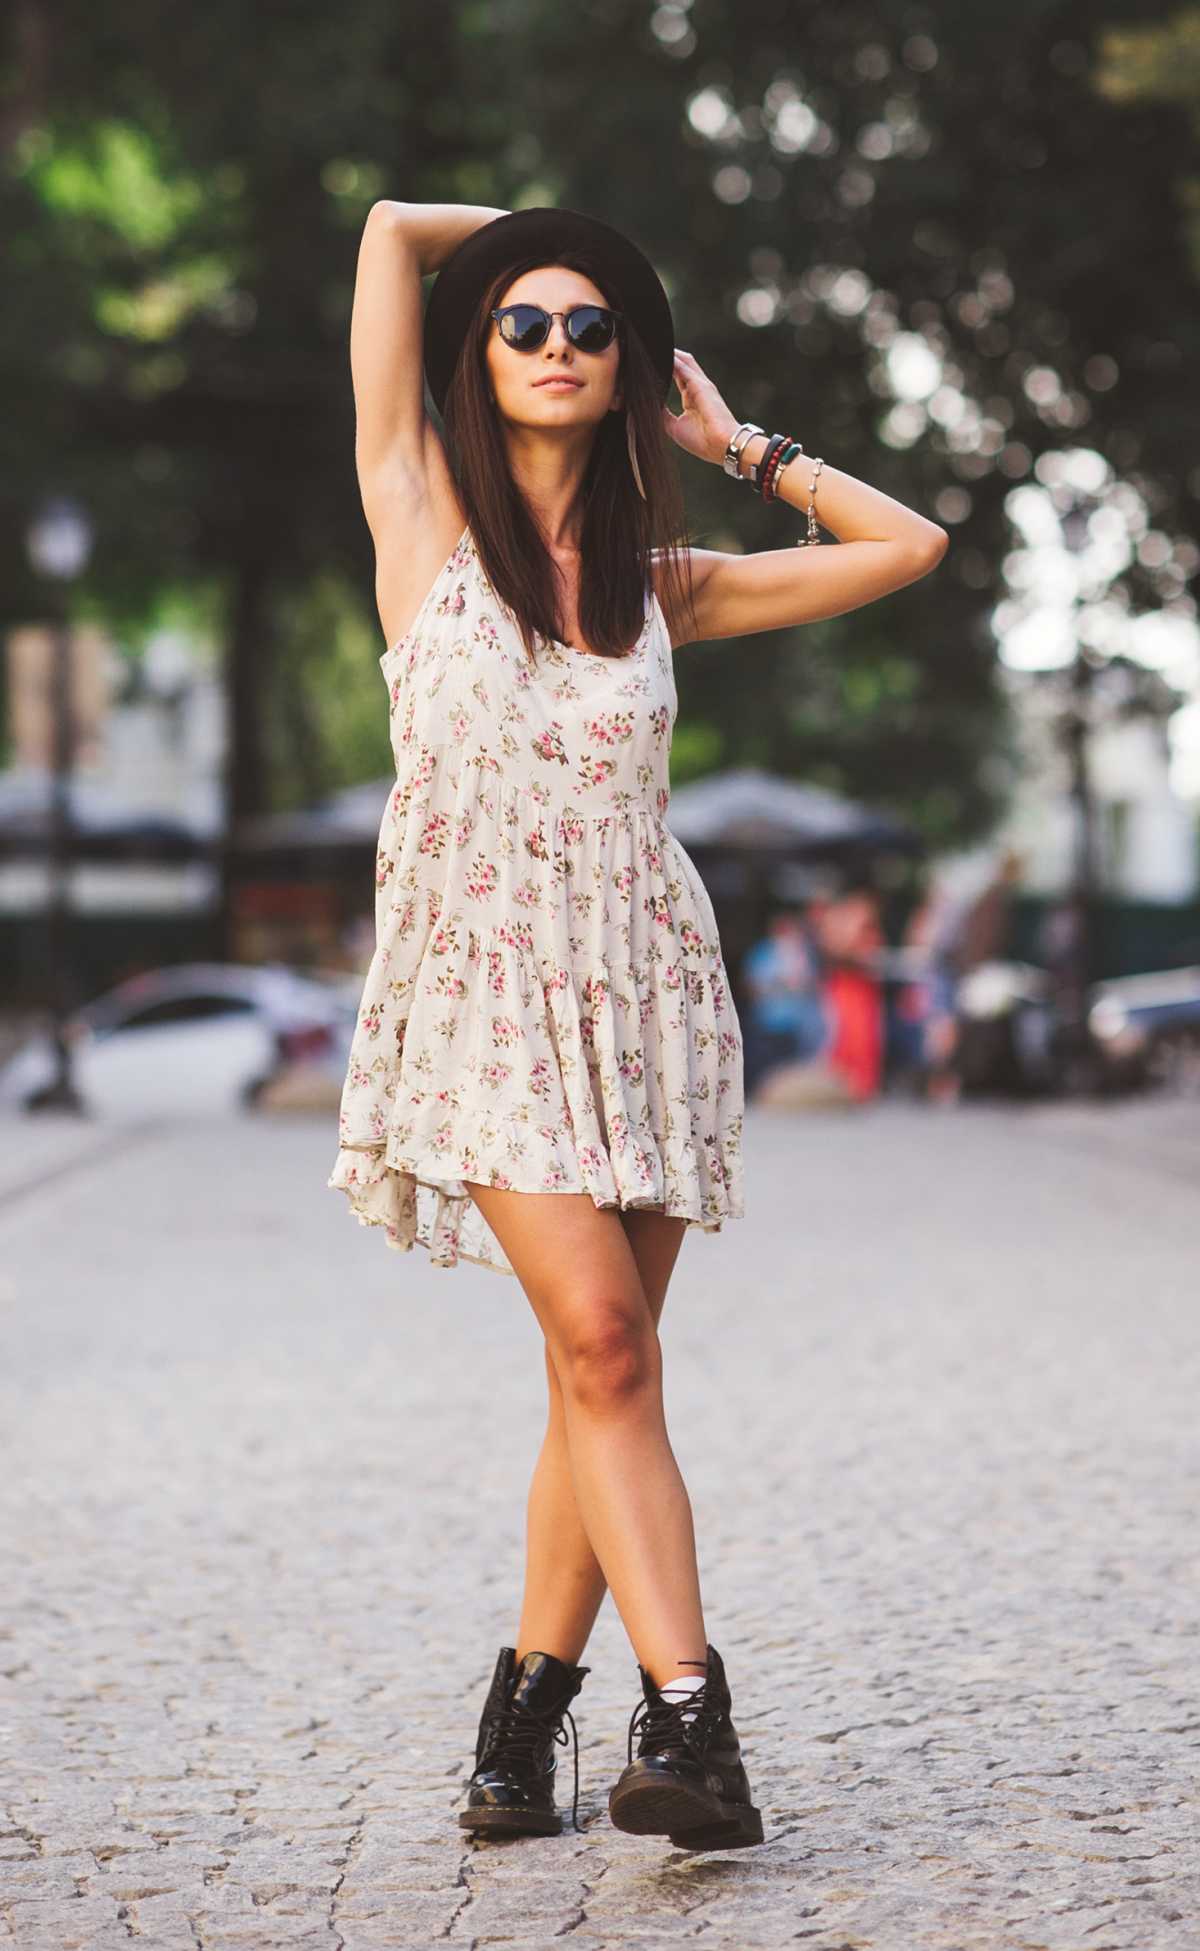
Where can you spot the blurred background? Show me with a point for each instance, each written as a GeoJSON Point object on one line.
{"type": "Point", "coordinates": [951, 839]}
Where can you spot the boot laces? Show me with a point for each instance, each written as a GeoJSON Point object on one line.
{"type": "Point", "coordinates": [516, 1734]}
{"type": "Point", "coordinates": [662, 1726]}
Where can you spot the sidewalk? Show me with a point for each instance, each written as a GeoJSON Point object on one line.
{"type": "Point", "coordinates": [262, 1512]}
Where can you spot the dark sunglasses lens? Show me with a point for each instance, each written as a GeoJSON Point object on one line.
{"type": "Point", "coordinates": [524, 326]}
{"type": "Point", "coordinates": [592, 329]}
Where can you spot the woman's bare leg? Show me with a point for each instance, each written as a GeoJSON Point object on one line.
{"type": "Point", "coordinates": [564, 1582]}
{"type": "Point", "coordinates": [578, 1268]}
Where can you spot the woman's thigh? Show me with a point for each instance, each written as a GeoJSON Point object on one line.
{"type": "Point", "coordinates": [594, 1275]}
{"type": "Point", "coordinates": [569, 1254]}
{"type": "Point", "coordinates": [656, 1239]}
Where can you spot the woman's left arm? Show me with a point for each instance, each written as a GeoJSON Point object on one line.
{"type": "Point", "coordinates": [882, 545]}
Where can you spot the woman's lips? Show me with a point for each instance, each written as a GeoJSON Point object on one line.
{"type": "Point", "coordinates": [559, 385]}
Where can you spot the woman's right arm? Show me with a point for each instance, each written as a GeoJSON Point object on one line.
{"type": "Point", "coordinates": [396, 445]}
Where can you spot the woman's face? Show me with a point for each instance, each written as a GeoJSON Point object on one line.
{"type": "Point", "coordinates": [515, 377]}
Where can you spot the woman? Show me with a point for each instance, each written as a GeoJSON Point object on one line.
{"type": "Point", "coordinates": [546, 1072]}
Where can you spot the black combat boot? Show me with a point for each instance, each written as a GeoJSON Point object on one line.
{"type": "Point", "coordinates": [512, 1783]}
{"type": "Point", "coordinates": [687, 1780]}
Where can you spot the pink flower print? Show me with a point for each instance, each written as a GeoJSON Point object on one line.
{"type": "Point", "coordinates": [378, 1123]}
{"type": "Point", "coordinates": [594, 770]}
{"type": "Point", "coordinates": [433, 835]}
{"type": "Point", "coordinates": [659, 721]}
{"type": "Point", "coordinates": [535, 842]}
{"type": "Point", "coordinates": [359, 1077]}
{"type": "Point", "coordinates": [482, 878]}
{"type": "Point", "coordinates": [444, 940]}
{"type": "Point", "coordinates": [371, 1020]}
{"type": "Point", "coordinates": [505, 1031]}
{"type": "Point", "coordinates": [425, 767]}
{"type": "Point", "coordinates": [611, 728]}
{"type": "Point", "coordinates": [623, 881]}
{"type": "Point", "coordinates": [596, 990]}
{"type": "Point", "coordinates": [718, 994]}
{"type": "Point", "coordinates": [528, 894]}
{"type": "Point", "coordinates": [555, 1179]}
{"type": "Point", "coordinates": [653, 859]}
{"type": "Point", "coordinates": [385, 867]}
{"type": "Point", "coordinates": [642, 1164]}
{"type": "Point", "coordinates": [590, 1158]}
{"type": "Point", "coordinates": [460, 725]}
{"type": "Point", "coordinates": [496, 1074]}
{"type": "Point", "coordinates": [572, 827]}
{"type": "Point", "coordinates": [658, 909]}
{"type": "Point", "coordinates": [631, 1067]}
{"type": "Point", "coordinates": [499, 1178]}
{"type": "Point", "coordinates": [662, 800]}
{"type": "Point", "coordinates": [453, 603]}
{"type": "Point", "coordinates": [517, 934]}
{"type": "Point", "coordinates": [450, 985]}
{"type": "Point", "coordinates": [443, 1137]}
{"type": "Point", "coordinates": [464, 828]}
{"type": "Point", "coordinates": [497, 981]}
{"type": "Point", "coordinates": [690, 937]}
{"type": "Point", "coordinates": [540, 1078]}
{"type": "Point", "coordinates": [549, 745]}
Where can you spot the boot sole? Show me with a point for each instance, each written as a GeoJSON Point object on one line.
{"type": "Point", "coordinates": [689, 1817]}
{"type": "Point", "coordinates": [510, 1822]}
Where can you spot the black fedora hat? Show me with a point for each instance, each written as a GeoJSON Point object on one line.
{"type": "Point", "coordinates": [542, 231]}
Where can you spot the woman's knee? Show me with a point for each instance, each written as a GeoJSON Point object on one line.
{"type": "Point", "coordinates": [609, 1358]}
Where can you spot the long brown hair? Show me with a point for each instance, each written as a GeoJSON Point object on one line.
{"type": "Point", "coordinates": [620, 529]}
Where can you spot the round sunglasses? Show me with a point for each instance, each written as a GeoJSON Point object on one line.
{"type": "Point", "coordinates": [525, 327]}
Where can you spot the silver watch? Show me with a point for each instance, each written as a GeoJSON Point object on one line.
{"type": "Point", "coordinates": [737, 440]}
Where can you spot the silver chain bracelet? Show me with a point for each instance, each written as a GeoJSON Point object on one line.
{"type": "Point", "coordinates": [803, 541]}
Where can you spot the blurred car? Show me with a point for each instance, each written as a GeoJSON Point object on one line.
{"type": "Point", "coordinates": [200, 1036]}
{"type": "Point", "coordinates": [1145, 1030]}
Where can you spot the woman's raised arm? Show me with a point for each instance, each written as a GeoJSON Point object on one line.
{"type": "Point", "coordinates": [401, 243]}
{"type": "Point", "coordinates": [882, 544]}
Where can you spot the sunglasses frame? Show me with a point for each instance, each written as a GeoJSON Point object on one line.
{"type": "Point", "coordinates": [549, 317]}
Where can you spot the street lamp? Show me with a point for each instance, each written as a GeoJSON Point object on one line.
{"type": "Point", "coordinates": [59, 542]}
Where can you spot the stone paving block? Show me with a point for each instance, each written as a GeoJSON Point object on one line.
{"type": "Point", "coordinates": [943, 1479]}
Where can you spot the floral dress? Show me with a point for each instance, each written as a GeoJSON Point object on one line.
{"type": "Point", "coordinates": [546, 1008]}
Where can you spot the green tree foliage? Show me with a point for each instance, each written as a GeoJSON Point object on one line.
{"type": "Point", "coordinates": [1003, 187]}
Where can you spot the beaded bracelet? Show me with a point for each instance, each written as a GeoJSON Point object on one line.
{"type": "Point", "coordinates": [765, 466]}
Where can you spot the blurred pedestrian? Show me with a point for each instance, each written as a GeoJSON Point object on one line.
{"type": "Point", "coordinates": [851, 936]}
{"type": "Point", "coordinates": [786, 1021]}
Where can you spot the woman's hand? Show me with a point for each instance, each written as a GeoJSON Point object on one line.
{"type": "Point", "coordinates": [705, 426]}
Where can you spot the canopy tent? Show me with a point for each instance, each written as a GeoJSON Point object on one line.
{"type": "Point", "coordinates": [748, 807]}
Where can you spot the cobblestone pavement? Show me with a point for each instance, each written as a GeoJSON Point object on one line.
{"type": "Point", "coordinates": [262, 1501]}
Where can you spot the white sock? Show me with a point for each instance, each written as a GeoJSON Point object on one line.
{"type": "Point", "coordinates": [679, 1688]}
